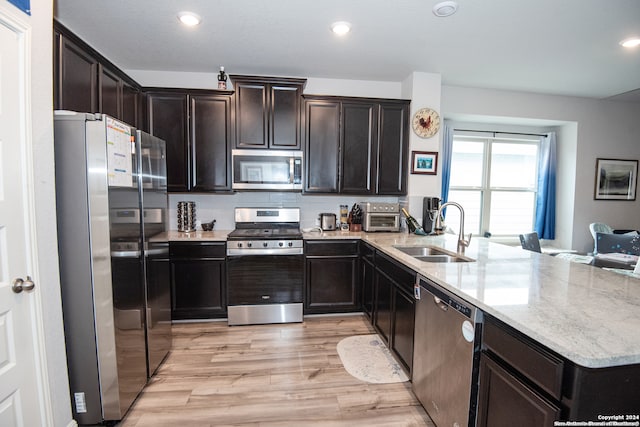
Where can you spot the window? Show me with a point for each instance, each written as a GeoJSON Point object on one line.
{"type": "Point", "coordinates": [495, 179]}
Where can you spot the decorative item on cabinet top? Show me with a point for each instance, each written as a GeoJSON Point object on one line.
{"type": "Point", "coordinates": [222, 79]}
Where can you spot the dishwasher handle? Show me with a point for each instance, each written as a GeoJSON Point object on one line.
{"type": "Point", "coordinates": [446, 300]}
{"type": "Point", "coordinates": [441, 304]}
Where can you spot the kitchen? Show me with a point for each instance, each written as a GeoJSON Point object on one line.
{"type": "Point", "coordinates": [584, 115]}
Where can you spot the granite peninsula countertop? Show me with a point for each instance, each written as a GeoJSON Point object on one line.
{"type": "Point", "coordinates": [588, 315]}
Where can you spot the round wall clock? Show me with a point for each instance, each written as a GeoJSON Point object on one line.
{"type": "Point", "coordinates": [426, 122]}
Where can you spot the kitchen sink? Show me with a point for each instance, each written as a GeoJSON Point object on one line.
{"type": "Point", "coordinates": [432, 254]}
{"type": "Point", "coordinates": [441, 258]}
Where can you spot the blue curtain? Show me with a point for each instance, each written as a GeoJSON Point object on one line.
{"type": "Point", "coordinates": [447, 148]}
{"type": "Point", "coordinates": [545, 224]}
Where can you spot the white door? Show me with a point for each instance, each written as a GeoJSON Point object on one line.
{"type": "Point", "coordinates": [21, 397]}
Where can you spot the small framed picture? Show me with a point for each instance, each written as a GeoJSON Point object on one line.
{"type": "Point", "coordinates": [616, 179]}
{"type": "Point", "coordinates": [424, 162]}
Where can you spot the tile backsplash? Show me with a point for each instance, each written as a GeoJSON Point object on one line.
{"type": "Point", "coordinates": [221, 206]}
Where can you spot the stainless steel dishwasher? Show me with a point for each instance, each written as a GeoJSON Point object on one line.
{"type": "Point", "coordinates": [445, 355]}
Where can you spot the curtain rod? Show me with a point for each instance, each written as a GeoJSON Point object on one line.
{"type": "Point", "coordinates": [494, 132]}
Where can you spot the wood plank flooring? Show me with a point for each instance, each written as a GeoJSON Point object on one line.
{"type": "Point", "coordinates": [269, 375]}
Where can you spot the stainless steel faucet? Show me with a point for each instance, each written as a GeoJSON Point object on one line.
{"type": "Point", "coordinates": [462, 243]}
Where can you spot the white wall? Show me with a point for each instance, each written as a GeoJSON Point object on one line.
{"type": "Point", "coordinates": [48, 282]}
{"type": "Point", "coordinates": [592, 128]}
{"type": "Point", "coordinates": [314, 86]}
{"type": "Point", "coordinates": [424, 91]}
{"type": "Point", "coordinates": [567, 146]}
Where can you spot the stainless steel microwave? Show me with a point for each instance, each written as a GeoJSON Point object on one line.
{"type": "Point", "coordinates": [266, 170]}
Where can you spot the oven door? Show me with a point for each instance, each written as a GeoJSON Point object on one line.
{"type": "Point", "coordinates": [264, 288]}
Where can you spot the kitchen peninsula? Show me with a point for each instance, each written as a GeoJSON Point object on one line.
{"type": "Point", "coordinates": [580, 318]}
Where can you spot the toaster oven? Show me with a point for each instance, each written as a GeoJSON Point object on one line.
{"type": "Point", "coordinates": [379, 216]}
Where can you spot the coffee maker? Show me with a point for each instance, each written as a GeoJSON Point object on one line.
{"type": "Point", "coordinates": [430, 206]}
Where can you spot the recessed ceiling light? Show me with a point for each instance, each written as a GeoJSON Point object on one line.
{"type": "Point", "coordinates": [189, 19]}
{"type": "Point", "coordinates": [445, 8]}
{"type": "Point", "coordinates": [630, 42]}
{"type": "Point", "coordinates": [341, 28]}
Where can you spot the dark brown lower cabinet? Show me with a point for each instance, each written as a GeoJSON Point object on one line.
{"type": "Point", "coordinates": [504, 400]}
{"type": "Point", "coordinates": [331, 276]}
{"type": "Point", "coordinates": [524, 383]}
{"type": "Point", "coordinates": [404, 313]}
{"type": "Point", "coordinates": [367, 276]}
{"type": "Point", "coordinates": [394, 312]}
{"type": "Point", "coordinates": [590, 392]}
{"type": "Point", "coordinates": [198, 280]}
{"type": "Point", "coordinates": [382, 308]}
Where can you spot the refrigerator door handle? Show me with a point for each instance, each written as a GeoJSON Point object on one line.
{"type": "Point", "coordinates": [126, 254]}
{"type": "Point", "coordinates": [154, 252]}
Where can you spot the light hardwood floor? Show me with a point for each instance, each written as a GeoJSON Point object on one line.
{"type": "Point", "coordinates": [269, 375]}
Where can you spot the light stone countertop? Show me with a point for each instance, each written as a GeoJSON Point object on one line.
{"type": "Point", "coordinates": [588, 315]}
{"type": "Point", "coordinates": [198, 236]}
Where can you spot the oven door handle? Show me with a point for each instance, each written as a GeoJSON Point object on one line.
{"type": "Point", "coordinates": [260, 252]}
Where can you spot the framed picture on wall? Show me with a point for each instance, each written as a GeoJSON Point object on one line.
{"type": "Point", "coordinates": [424, 162]}
{"type": "Point", "coordinates": [616, 179]}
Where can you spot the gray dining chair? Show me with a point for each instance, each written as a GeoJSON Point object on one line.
{"type": "Point", "coordinates": [530, 242]}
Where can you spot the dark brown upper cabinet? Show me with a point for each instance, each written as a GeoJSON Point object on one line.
{"type": "Point", "coordinates": [268, 112]}
{"type": "Point", "coordinates": [211, 135]}
{"type": "Point", "coordinates": [84, 81]}
{"type": "Point", "coordinates": [356, 145]}
{"type": "Point", "coordinates": [76, 77]}
{"type": "Point", "coordinates": [393, 148]}
{"type": "Point", "coordinates": [197, 128]}
{"type": "Point", "coordinates": [130, 112]}
{"type": "Point", "coordinates": [110, 93]}
{"type": "Point", "coordinates": [322, 136]}
{"type": "Point", "coordinates": [168, 119]}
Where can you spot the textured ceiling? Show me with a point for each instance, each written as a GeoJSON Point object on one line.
{"type": "Point", "coordinates": [564, 47]}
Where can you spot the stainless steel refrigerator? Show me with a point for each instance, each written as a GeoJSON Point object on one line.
{"type": "Point", "coordinates": [114, 267]}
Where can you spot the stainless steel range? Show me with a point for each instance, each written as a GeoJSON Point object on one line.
{"type": "Point", "coordinates": [265, 267]}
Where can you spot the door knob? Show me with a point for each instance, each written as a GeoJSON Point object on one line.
{"type": "Point", "coordinates": [20, 285]}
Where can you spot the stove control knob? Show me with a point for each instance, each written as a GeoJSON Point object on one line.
{"type": "Point", "coordinates": [265, 244]}
{"type": "Point", "coordinates": [280, 244]}
{"type": "Point", "coordinates": [290, 244]}
{"type": "Point", "coordinates": [249, 244]}
{"type": "Point", "coordinates": [239, 245]}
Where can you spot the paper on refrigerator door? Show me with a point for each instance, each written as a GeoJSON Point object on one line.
{"type": "Point", "coordinates": [120, 144]}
